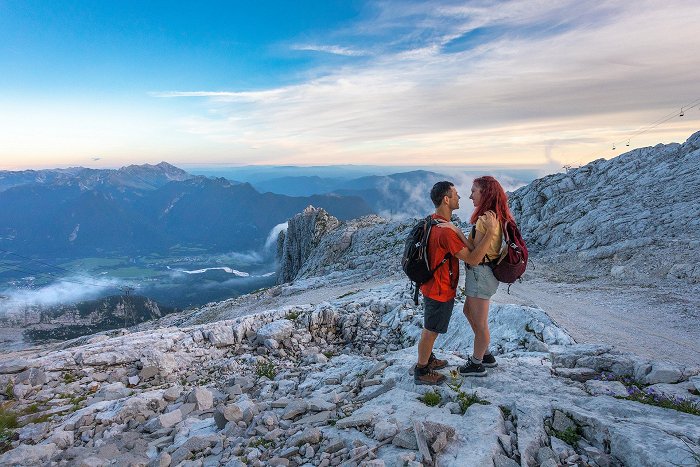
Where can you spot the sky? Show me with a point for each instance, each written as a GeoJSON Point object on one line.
{"type": "Point", "coordinates": [439, 83]}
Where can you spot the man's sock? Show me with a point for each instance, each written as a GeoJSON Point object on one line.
{"type": "Point", "coordinates": [488, 352]}
{"type": "Point", "coordinates": [475, 360]}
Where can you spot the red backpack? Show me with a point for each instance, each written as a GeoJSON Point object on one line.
{"type": "Point", "coordinates": [512, 264]}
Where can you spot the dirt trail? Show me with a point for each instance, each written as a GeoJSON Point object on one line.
{"type": "Point", "coordinates": [650, 322]}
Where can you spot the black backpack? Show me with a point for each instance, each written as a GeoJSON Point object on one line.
{"type": "Point", "coordinates": [415, 254]}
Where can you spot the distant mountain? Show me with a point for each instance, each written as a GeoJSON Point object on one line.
{"type": "Point", "coordinates": [75, 213]}
{"type": "Point", "coordinates": [300, 185]}
{"type": "Point", "coordinates": [398, 195]}
{"type": "Point", "coordinates": [144, 177]}
{"type": "Point", "coordinates": [70, 321]}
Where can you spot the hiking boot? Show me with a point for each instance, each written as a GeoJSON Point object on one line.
{"type": "Point", "coordinates": [489, 361]}
{"type": "Point", "coordinates": [472, 369]}
{"type": "Point", "coordinates": [426, 375]}
{"type": "Point", "coordinates": [435, 363]}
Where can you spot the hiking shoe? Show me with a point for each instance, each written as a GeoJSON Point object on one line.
{"type": "Point", "coordinates": [472, 369]}
{"type": "Point", "coordinates": [435, 363]}
{"type": "Point", "coordinates": [489, 361]}
{"type": "Point", "coordinates": [426, 375]}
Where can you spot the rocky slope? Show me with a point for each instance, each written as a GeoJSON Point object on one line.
{"type": "Point", "coordinates": [316, 371]}
{"type": "Point", "coordinates": [635, 217]}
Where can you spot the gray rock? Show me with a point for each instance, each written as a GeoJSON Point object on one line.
{"type": "Point", "coordinates": [561, 422]}
{"type": "Point", "coordinates": [294, 409]}
{"type": "Point", "coordinates": [499, 460]}
{"type": "Point", "coordinates": [228, 413]}
{"type": "Point", "coordinates": [277, 330]}
{"type": "Point", "coordinates": [309, 435]}
{"type": "Point", "coordinates": [545, 453]}
{"type": "Point", "coordinates": [384, 429]}
{"type": "Point", "coordinates": [202, 398]}
{"type": "Point", "coordinates": [406, 439]}
{"type": "Point", "coordinates": [29, 455]}
{"type": "Point", "coordinates": [606, 388]}
{"type": "Point", "coordinates": [355, 420]}
{"type": "Point", "coordinates": [662, 372]}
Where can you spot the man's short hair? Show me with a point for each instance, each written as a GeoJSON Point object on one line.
{"type": "Point", "coordinates": [439, 191]}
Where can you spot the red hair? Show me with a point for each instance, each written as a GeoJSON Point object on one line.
{"type": "Point", "coordinates": [493, 198]}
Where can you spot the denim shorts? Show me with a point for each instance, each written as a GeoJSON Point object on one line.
{"type": "Point", "coordinates": [436, 315]}
{"type": "Point", "coordinates": [480, 282]}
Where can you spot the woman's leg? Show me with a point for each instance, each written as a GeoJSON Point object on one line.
{"type": "Point", "coordinates": [467, 314]}
{"type": "Point", "coordinates": [477, 312]}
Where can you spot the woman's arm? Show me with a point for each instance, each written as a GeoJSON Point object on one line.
{"type": "Point", "coordinates": [481, 242]}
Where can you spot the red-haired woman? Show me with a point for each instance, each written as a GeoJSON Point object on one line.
{"type": "Point", "coordinates": [480, 284]}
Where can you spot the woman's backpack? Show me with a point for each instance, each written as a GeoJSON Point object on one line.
{"type": "Point", "coordinates": [512, 263]}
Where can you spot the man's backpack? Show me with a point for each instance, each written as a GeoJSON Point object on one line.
{"type": "Point", "coordinates": [512, 263]}
{"type": "Point", "coordinates": [415, 261]}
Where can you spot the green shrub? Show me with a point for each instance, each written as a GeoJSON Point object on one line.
{"type": "Point", "coordinates": [570, 436]}
{"type": "Point", "coordinates": [8, 423]}
{"type": "Point", "coordinates": [431, 398]}
{"type": "Point", "coordinates": [292, 315]}
{"type": "Point", "coordinates": [464, 399]}
{"type": "Point", "coordinates": [266, 369]}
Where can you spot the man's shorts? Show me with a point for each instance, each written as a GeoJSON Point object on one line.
{"type": "Point", "coordinates": [480, 282]}
{"type": "Point", "coordinates": [436, 315]}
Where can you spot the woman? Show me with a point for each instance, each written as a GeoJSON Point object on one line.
{"type": "Point", "coordinates": [480, 284]}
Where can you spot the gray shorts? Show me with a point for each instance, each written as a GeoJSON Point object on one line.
{"type": "Point", "coordinates": [436, 315]}
{"type": "Point", "coordinates": [480, 282]}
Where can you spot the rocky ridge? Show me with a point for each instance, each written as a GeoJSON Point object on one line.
{"type": "Point", "coordinates": [635, 218]}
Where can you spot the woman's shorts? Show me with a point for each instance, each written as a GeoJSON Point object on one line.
{"type": "Point", "coordinates": [480, 282]}
{"type": "Point", "coordinates": [436, 315]}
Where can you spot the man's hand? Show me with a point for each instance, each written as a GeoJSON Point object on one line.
{"type": "Point", "coordinates": [490, 221]}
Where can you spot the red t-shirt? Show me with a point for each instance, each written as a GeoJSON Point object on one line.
{"type": "Point", "coordinates": [442, 287]}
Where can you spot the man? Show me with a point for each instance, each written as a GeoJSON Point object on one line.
{"type": "Point", "coordinates": [439, 292]}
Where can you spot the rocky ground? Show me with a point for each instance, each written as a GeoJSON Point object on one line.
{"type": "Point", "coordinates": [317, 371]}
{"type": "Point", "coordinates": [330, 384]}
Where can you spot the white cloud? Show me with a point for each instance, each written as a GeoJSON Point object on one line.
{"type": "Point", "coordinates": [542, 84]}
{"type": "Point", "coordinates": [331, 49]}
{"type": "Point", "coordinates": [64, 291]}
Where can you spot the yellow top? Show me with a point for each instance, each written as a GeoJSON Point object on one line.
{"type": "Point", "coordinates": [494, 250]}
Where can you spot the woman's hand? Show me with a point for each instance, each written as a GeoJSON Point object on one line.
{"type": "Point", "coordinates": [448, 225]}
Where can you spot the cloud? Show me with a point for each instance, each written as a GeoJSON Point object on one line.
{"type": "Point", "coordinates": [66, 290]}
{"type": "Point", "coordinates": [486, 82]}
{"type": "Point", "coordinates": [331, 49]}
{"type": "Point", "coordinates": [271, 241]}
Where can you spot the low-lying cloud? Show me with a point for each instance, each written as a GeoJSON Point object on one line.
{"type": "Point", "coordinates": [66, 290]}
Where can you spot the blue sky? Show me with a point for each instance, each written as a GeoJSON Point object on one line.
{"type": "Point", "coordinates": [337, 82]}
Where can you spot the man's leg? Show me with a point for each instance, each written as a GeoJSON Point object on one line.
{"type": "Point", "coordinates": [468, 315]}
{"type": "Point", "coordinates": [479, 313]}
{"type": "Point", "coordinates": [425, 346]}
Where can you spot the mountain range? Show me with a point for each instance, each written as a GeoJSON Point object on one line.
{"type": "Point", "coordinates": [72, 213]}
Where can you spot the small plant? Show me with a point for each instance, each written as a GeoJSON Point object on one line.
{"type": "Point", "coordinates": [347, 294]}
{"type": "Point", "coordinates": [8, 423]}
{"type": "Point", "coordinates": [506, 411]}
{"type": "Point", "coordinates": [464, 399]}
{"type": "Point", "coordinates": [69, 378]}
{"type": "Point", "coordinates": [431, 398]}
{"type": "Point", "coordinates": [292, 315]}
{"type": "Point", "coordinates": [570, 436]}
{"type": "Point", "coordinates": [266, 369]}
{"type": "Point", "coordinates": [265, 443]}
{"type": "Point", "coordinates": [10, 390]}
{"type": "Point", "coordinates": [30, 409]}
{"type": "Point", "coordinates": [75, 401]}
{"type": "Point", "coordinates": [638, 392]}
{"type": "Point", "coordinates": [328, 354]}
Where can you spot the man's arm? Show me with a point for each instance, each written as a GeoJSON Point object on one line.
{"type": "Point", "coordinates": [475, 256]}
